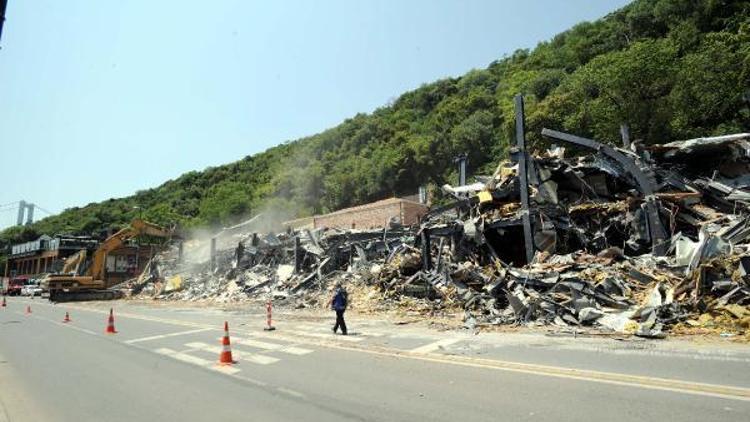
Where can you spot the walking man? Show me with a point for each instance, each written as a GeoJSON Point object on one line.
{"type": "Point", "coordinates": [338, 303]}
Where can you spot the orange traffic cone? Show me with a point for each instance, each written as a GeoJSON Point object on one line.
{"type": "Point", "coordinates": [225, 357]}
{"type": "Point", "coordinates": [28, 309]}
{"type": "Point", "coordinates": [4, 304]}
{"type": "Point", "coordinates": [67, 317]}
{"type": "Point", "coordinates": [111, 323]}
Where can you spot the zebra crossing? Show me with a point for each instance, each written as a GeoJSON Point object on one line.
{"type": "Point", "coordinates": [253, 349]}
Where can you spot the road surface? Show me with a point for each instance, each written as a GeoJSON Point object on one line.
{"type": "Point", "coordinates": [161, 366]}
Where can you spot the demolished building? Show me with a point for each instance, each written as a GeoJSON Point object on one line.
{"type": "Point", "coordinates": [637, 240]}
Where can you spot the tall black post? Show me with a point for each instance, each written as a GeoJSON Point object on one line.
{"type": "Point", "coordinates": [426, 257]}
{"type": "Point", "coordinates": [523, 179]}
{"type": "Point", "coordinates": [297, 257]}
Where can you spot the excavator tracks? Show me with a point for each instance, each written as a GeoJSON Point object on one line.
{"type": "Point", "coordinates": [86, 295]}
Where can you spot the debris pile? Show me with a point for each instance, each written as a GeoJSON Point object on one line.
{"type": "Point", "coordinates": [636, 240]}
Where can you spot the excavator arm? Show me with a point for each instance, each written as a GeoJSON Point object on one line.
{"type": "Point", "coordinates": [137, 228]}
{"type": "Point", "coordinates": [73, 262]}
{"type": "Point", "coordinates": [93, 284]}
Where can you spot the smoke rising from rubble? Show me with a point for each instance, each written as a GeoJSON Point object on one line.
{"type": "Point", "coordinates": [197, 246]}
{"type": "Point", "coordinates": [269, 219]}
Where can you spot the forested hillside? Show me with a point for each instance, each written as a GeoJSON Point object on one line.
{"type": "Point", "coordinates": [671, 69]}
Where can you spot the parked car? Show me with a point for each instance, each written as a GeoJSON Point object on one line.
{"type": "Point", "coordinates": [15, 285]}
{"type": "Point", "coordinates": [32, 288]}
{"type": "Point", "coordinates": [37, 289]}
{"type": "Point", "coordinates": [25, 288]}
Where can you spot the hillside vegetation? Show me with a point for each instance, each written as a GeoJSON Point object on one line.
{"type": "Point", "coordinates": [671, 69]}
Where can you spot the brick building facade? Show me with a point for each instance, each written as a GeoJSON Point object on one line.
{"type": "Point", "coordinates": [373, 215]}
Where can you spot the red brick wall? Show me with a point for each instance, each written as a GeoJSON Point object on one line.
{"type": "Point", "coordinates": [413, 212]}
{"type": "Point", "coordinates": [374, 215]}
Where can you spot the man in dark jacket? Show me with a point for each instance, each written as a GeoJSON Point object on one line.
{"type": "Point", "coordinates": [338, 303]}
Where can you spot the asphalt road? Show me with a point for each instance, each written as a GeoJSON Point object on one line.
{"type": "Point", "coordinates": [161, 366]}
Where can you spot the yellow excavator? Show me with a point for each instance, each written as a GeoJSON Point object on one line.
{"type": "Point", "coordinates": [69, 285]}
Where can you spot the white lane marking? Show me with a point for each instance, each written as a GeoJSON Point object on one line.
{"type": "Point", "coordinates": [290, 392]}
{"type": "Point", "coordinates": [183, 356]}
{"type": "Point", "coordinates": [292, 350]}
{"type": "Point", "coordinates": [236, 354]}
{"type": "Point", "coordinates": [259, 344]}
{"type": "Point", "coordinates": [66, 325]}
{"type": "Point", "coordinates": [259, 359]}
{"type": "Point", "coordinates": [199, 345]}
{"type": "Point", "coordinates": [194, 360]}
{"type": "Point", "coordinates": [325, 336]}
{"type": "Point", "coordinates": [230, 370]}
{"type": "Point", "coordinates": [429, 348]}
{"type": "Point", "coordinates": [181, 333]}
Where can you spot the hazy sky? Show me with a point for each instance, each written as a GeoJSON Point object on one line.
{"type": "Point", "coordinates": [99, 98]}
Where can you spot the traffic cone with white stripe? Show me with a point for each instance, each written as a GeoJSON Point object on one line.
{"type": "Point", "coordinates": [225, 357]}
{"type": "Point", "coordinates": [28, 309]}
{"type": "Point", "coordinates": [269, 308]}
{"type": "Point", "coordinates": [111, 323]}
{"type": "Point", "coordinates": [67, 317]}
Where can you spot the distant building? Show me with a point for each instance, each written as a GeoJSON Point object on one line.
{"type": "Point", "coordinates": [368, 216]}
{"type": "Point", "coordinates": [47, 255]}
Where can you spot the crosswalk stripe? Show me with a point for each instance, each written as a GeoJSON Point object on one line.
{"type": "Point", "coordinates": [161, 336]}
{"type": "Point", "coordinates": [198, 345]}
{"type": "Point", "coordinates": [237, 354]}
{"type": "Point", "coordinates": [259, 344]}
{"type": "Point", "coordinates": [292, 350]}
{"type": "Point", "coordinates": [259, 359]}
{"type": "Point", "coordinates": [184, 357]}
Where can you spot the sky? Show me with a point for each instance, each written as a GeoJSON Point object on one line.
{"type": "Point", "coordinates": [99, 99]}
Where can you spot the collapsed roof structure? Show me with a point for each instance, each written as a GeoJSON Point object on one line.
{"type": "Point", "coordinates": [636, 240]}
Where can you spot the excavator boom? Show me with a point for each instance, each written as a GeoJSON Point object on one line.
{"type": "Point", "coordinates": [137, 228]}
{"type": "Point", "coordinates": [91, 284]}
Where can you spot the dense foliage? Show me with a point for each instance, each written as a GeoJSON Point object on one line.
{"type": "Point", "coordinates": [671, 69]}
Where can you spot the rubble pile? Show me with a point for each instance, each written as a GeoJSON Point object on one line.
{"type": "Point", "coordinates": [636, 240]}
{"type": "Point", "coordinates": [302, 265]}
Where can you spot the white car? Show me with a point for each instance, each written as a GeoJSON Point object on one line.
{"type": "Point", "coordinates": [32, 289]}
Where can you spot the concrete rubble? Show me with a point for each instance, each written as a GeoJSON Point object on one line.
{"type": "Point", "coordinates": [580, 235]}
